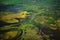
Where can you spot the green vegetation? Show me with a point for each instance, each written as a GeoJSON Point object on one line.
{"type": "Point", "coordinates": [35, 22]}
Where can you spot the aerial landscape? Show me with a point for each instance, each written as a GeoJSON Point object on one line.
{"type": "Point", "coordinates": [29, 19]}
